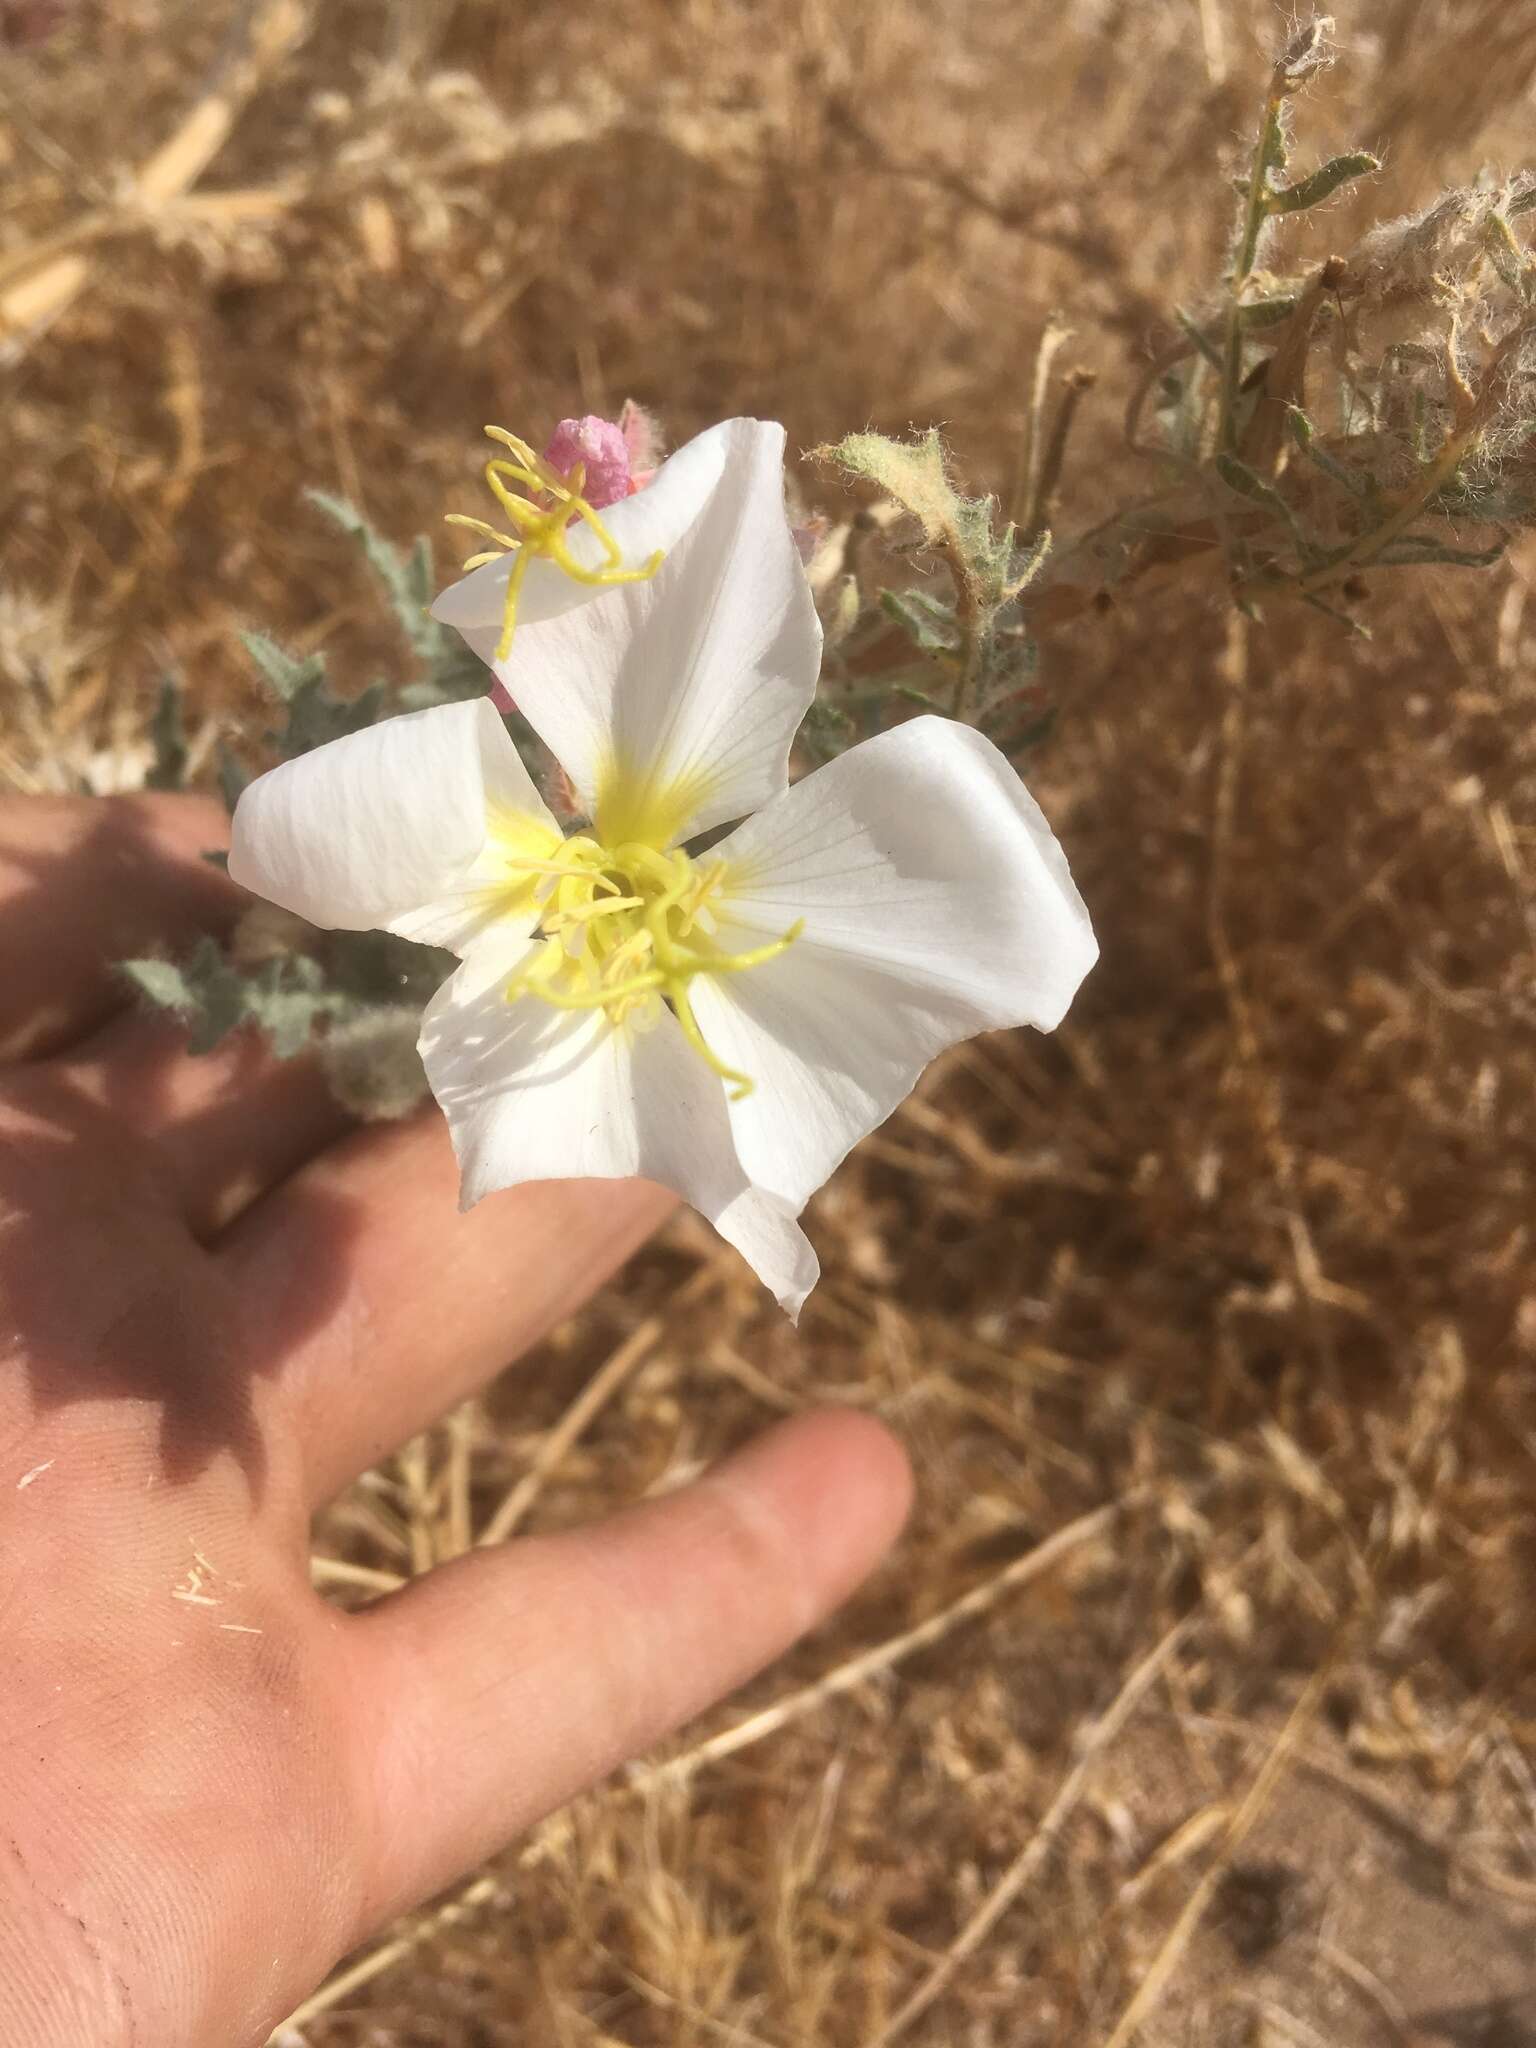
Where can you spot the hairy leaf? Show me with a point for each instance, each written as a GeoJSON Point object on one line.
{"type": "Point", "coordinates": [286, 674]}
{"type": "Point", "coordinates": [1320, 184]}
{"type": "Point", "coordinates": [168, 736]}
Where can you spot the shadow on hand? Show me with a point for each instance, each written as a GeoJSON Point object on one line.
{"type": "Point", "coordinates": [106, 1295]}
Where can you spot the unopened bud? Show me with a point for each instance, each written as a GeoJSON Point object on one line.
{"type": "Point", "coordinates": [599, 446]}
{"type": "Point", "coordinates": [1307, 52]}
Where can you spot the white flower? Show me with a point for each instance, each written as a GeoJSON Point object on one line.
{"type": "Point", "coordinates": [727, 1023]}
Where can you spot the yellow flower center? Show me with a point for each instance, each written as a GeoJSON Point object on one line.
{"type": "Point", "coordinates": [540, 527]}
{"type": "Point", "coordinates": [625, 929]}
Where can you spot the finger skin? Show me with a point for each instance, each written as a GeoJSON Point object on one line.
{"type": "Point", "coordinates": [502, 1684]}
{"type": "Point", "coordinates": [390, 1306]}
{"type": "Point", "coordinates": [226, 1125]}
{"type": "Point", "coordinates": [86, 882]}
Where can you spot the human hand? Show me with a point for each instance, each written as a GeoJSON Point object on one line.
{"type": "Point", "coordinates": [218, 1304]}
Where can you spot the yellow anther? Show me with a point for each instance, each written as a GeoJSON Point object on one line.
{"type": "Point", "coordinates": [540, 525]}
{"type": "Point", "coordinates": [620, 934]}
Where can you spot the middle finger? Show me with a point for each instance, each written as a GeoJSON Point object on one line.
{"type": "Point", "coordinates": [390, 1307]}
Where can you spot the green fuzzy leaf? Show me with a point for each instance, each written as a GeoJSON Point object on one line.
{"type": "Point", "coordinates": [1322, 183]}
{"type": "Point", "coordinates": [418, 575]}
{"type": "Point", "coordinates": [285, 999]}
{"type": "Point", "coordinates": [203, 990]}
{"type": "Point", "coordinates": [1237, 476]}
{"type": "Point", "coordinates": [1200, 339]}
{"type": "Point", "coordinates": [927, 622]}
{"type": "Point", "coordinates": [162, 982]}
{"type": "Point", "coordinates": [915, 475]}
{"type": "Point", "coordinates": [286, 675]}
{"type": "Point", "coordinates": [220, 997]}
{"type": "Point", "coordinates": [1305, 437]}
{"type": "Point", "coordinates": [828, 731]}
{"type": "Point", "coordinates": [406, 579]}
{"type": "Point", "coordinates": [908, 693]}
{"type": "Point", "coordinates": [455, 675]}
{"type": "Point", "coordinates": [1506, 255]}
{"type": "Point", "coordinates": [316, 716]}
{"type": "Point", "coordinates": [911, 472]}
{"type": "Point", "coordinates": [1413, 549]}
{"type": "Point", "coordinates": [168, 736]}
{"type": "Point", "coordinates": [1257, 314]}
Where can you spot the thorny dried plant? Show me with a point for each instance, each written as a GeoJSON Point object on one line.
{"type": "Point", "coordinates": [1308, 430]}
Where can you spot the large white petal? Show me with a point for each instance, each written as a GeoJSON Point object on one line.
{"type": "Point", "coordinates": [672, 704]}
{"type": "Point", "coordinates": [937, 903]}
{"type": "Point", "coordinates": [536, 1093]}
{"type": "Point", "coordinates": [407, 826]}
{"type": "Point", "coordinates": [656, 517]}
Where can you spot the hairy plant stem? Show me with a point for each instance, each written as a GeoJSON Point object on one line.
{"type": "Point", "coordinates": [1255, 213]}
{"type": "Point", "coordinates": [1038, 510]}
{"type": "Point", "coordinates": [970, 624]}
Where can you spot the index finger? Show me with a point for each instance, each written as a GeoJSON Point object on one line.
{"type": "Point", "coordinates": [86, 882]}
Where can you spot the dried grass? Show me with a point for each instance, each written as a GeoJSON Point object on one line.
{"type": "Point", "coordinates": [1222, 1295]}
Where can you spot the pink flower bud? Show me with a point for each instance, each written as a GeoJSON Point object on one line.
{"type": "Point", "coordinates": [599, 445]}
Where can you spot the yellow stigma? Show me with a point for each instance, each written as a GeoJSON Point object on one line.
{"type": "Point", "coordinates": [540, 523]}
{"type": "Point", "coordinates": [625, 929]}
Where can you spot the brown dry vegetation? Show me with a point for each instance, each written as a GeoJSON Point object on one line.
{"type": "Point", "coordinates": [1224, 1294]}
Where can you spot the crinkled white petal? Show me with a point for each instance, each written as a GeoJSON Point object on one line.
{"type": "Point", "coordinates": [937, 903]}
{"type": "Point", "coordinates": [672, 704]}
{"type": "Point", "coordinates": [400, 827]}
{"type": "Point", "coordinates": [655, 517]}
{"type": "Point", "coordinates": [532, 1092]}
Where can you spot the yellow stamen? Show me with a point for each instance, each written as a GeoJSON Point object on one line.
{"type": "Point", "coordinates": [540, 526]}
{"type": "Point", "coordinates": [583, 913]}
{"type": "Point", "coordinates": [621, 934]}
{"type": "Point", "coordinates": [740, 1085]}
